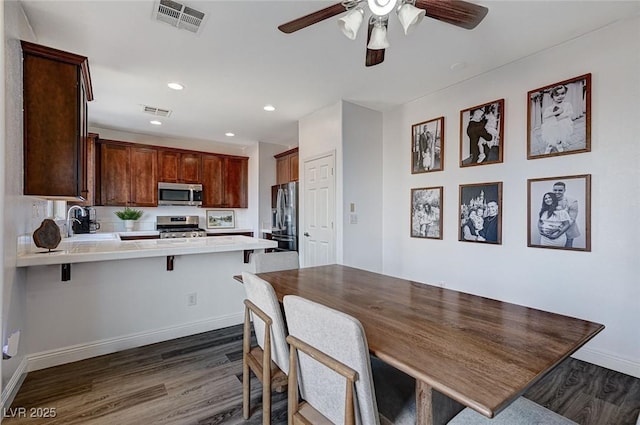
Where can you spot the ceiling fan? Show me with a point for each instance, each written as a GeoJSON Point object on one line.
{"type": "Point", "coordinates": [410, 12]}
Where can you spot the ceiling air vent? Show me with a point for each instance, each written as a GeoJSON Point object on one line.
{"type": "Point", "coordinates": [179, 15]}
{"type": "Point", "coordinates": [156, 111]}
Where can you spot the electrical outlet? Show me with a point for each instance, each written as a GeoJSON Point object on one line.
{"type": "Point", "coordinates": [192, 299]}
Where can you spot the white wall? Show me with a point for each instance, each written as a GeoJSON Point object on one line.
{"type": "Point", "coordinates": [362, 177]}
{"type": "Point", "coordinates": [602, 285]}
{"type": "Point", "coordinates": [18, 211]}
{"type": "Point", "coordinates": [266, 179]}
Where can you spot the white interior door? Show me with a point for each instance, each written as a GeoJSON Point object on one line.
{"type": "Point", "coordinates": [318, 234]}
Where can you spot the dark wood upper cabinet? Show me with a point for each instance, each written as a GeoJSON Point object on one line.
{"type": "Point", "coordinates": [225, 181]}
{"type": "Point", "coordinates": [128, 175]}
{"type": "Point", "coordinates": [57, 87]}
{"type": "Point", "coordinates": [287, 166]}
{"type": "Point", "coordinates": [179, 167]}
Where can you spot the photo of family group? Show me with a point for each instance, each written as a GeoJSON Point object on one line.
{"type": "Point", "coordinates": [426, 212]}
{"type": "Point", "coordinates": [560, 212]}
{"type": "Point", "coordinates": [481, 213]}
{"type": "Point", "coordinates": [427, 150]}
{"type": "Point", "coordinates": [560, 118]}
{"type": "Point", "coordinates": [481, 129]}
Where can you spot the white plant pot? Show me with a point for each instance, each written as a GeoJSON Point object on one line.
{"type": "Point", "coordinates": [128, 225]}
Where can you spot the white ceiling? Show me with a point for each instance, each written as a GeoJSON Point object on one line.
{"type": "Point", "coordinates": [239, 61]}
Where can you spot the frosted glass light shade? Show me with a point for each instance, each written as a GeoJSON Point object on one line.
{"type": "Point", "coordinates": [350, 23]}
{"type": "Point", "coordinates": [410, 16]}
{"type": "Point", "coordinates": [378, 38]}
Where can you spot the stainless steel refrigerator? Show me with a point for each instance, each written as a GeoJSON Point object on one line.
{"type": "Point", "coordinates": [284, 212]}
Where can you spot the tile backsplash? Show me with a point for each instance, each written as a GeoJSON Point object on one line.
{"type": "Point", "coordinates": [109, 222]}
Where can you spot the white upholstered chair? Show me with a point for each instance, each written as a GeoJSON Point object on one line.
{"type": "Point", "coordinates": [334, 372]}
{"type": "Point", "coordinates": [520, 412]}
{"type": "Point", "coordinates": [275, 261]}
{"type": "Point", "coordinates": [268, 360]}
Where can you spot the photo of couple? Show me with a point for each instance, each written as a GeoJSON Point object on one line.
{"type": "Point", "coordinates": [427, 152]}
{"type": "Point", "coordinates": [559, 212]}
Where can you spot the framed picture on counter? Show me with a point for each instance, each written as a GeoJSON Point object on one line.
{"type": "Point", "coordinates": [219, 219]}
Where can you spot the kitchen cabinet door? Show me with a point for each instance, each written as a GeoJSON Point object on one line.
{"type": "Point", "coordinates": [224, 181]}
{"type": "Point", "coordinates": [56, 89]}
{"type": "Point", "coordinates": [287, 166]}
{"type": "Point", "coordinates": [190, 168]}
{"type": "Point", "coordinates": [168, 166]}
{"type": "Point", "coordinates": [179, 167]}
{"type": "Point", "coordinates": [236, 182]}
{"type": "Point", "coordinates": [212, 181]}
{"type": "Point", "coordinates": [115, 174]}
{"type": "Point", "coordinates": [144, 177]}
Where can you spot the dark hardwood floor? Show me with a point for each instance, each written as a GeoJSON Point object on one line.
{"type": "Point", "coordinates": [196, 380]}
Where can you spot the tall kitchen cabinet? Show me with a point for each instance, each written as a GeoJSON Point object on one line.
{"type": "Point", "coordinates": [287, 166]}
{"type": "Point", "coordinates": [128, 175]}
{"type": "Point", "coordinates": [179, 167]}
{"type": "Point", "coordinates": [225, 181]}
{"type": "Point", "coordinates": [56, 89]}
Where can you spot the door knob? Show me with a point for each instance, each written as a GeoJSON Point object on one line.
{"type": "Point", "coordinates": [307, 234]}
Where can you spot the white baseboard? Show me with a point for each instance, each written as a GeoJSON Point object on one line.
{"type": "Point", "coordinates": [609, 361]}
{"type": "Point", "coordinates": [78, 352]}
{"type": "Point", "coordinates": [11, 389]}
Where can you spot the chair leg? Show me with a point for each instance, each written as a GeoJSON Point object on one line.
{"type": "Point", "coordinates": [266, 403]}
{"type": "Point", "coordinates": [246, 374]}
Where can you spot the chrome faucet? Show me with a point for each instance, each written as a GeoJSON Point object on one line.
{"type": "Point", "coordinates": [70, 220]}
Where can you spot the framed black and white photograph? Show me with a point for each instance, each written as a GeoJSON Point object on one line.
{"type": "Point", "coordinates": [426, 212]}
{"type": "Point", "coordinates": [221, 219]}
{"type": "Point", "coordinates": [481, 213]}
{"type": "Point", "coordinates": [481, 134]}
{"type": "Point", "coordinates": [559, 212]}
{"type": "Point", "coordinates": [427, 146]}
{"type": "Point", "coordinates": [559, 118]}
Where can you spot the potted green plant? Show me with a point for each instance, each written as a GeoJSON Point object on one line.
{"type": "Point", "coordinates": [129, 216]}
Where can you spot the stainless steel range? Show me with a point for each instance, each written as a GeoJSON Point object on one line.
{"type": "Point", "coordinates": [179, 226]}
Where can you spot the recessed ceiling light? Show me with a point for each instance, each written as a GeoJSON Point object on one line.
{"type": "Point", "coordinates": [155, 122]}
{"type": "Point", "coordinates": [229, 134]}
{"type": "Point", "coordinates": [175, 86]}
{"type": "Point", "coordinates": [269, 108]}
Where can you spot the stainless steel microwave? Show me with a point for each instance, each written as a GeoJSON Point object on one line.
{"type": "Point", "coordinates": [179, 194]}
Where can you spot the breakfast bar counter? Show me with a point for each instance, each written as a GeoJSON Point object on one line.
{"type": "Point", "coordinates": [109, 246]}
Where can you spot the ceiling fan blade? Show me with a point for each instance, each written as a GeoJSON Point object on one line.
{"type": "Point", "coordinates": [374, 57]}
{"type": "Point", "coordinates": [456, 12]}
{"type": "Point", "coordinates": [312, 18]}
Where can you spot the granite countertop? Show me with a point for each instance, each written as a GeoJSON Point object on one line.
{"type": "Point", "coordinates": [108, 246]}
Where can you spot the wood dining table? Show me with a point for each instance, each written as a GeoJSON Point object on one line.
{"type": "Point", "coordinates": [462, 349]}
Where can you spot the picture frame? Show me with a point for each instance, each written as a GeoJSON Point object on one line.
{"type": "Point", "coordinates": [482, 134]}
{"type": "Point", "coordinates": [426, 212]}
{"type": "Point", "coordinates": [563, 223]}
{"type": "Point", "coordinates": [559, 118]}
{"type": "Point", "coordinates": [221, 219]}
{"type": "Point", "coordinates": [480, 213]}
{"type": "Point", "coordinates": [427, 146]}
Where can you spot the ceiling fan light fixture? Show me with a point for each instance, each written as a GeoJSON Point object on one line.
{"type": "Point", "coordinates": [381, 7]}
{"type": "Point", "coordinates": [378, 39]}
{"type": "Point", "coordinates": [350, 23]}
{"type": "Point", "coordinates": [410, 16]}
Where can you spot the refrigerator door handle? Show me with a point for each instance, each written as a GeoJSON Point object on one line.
{"type": "Point", "coordinates": [279, 209]}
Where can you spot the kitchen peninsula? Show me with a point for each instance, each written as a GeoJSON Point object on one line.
{"type": "Point", "coordinates": [122, 294]}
